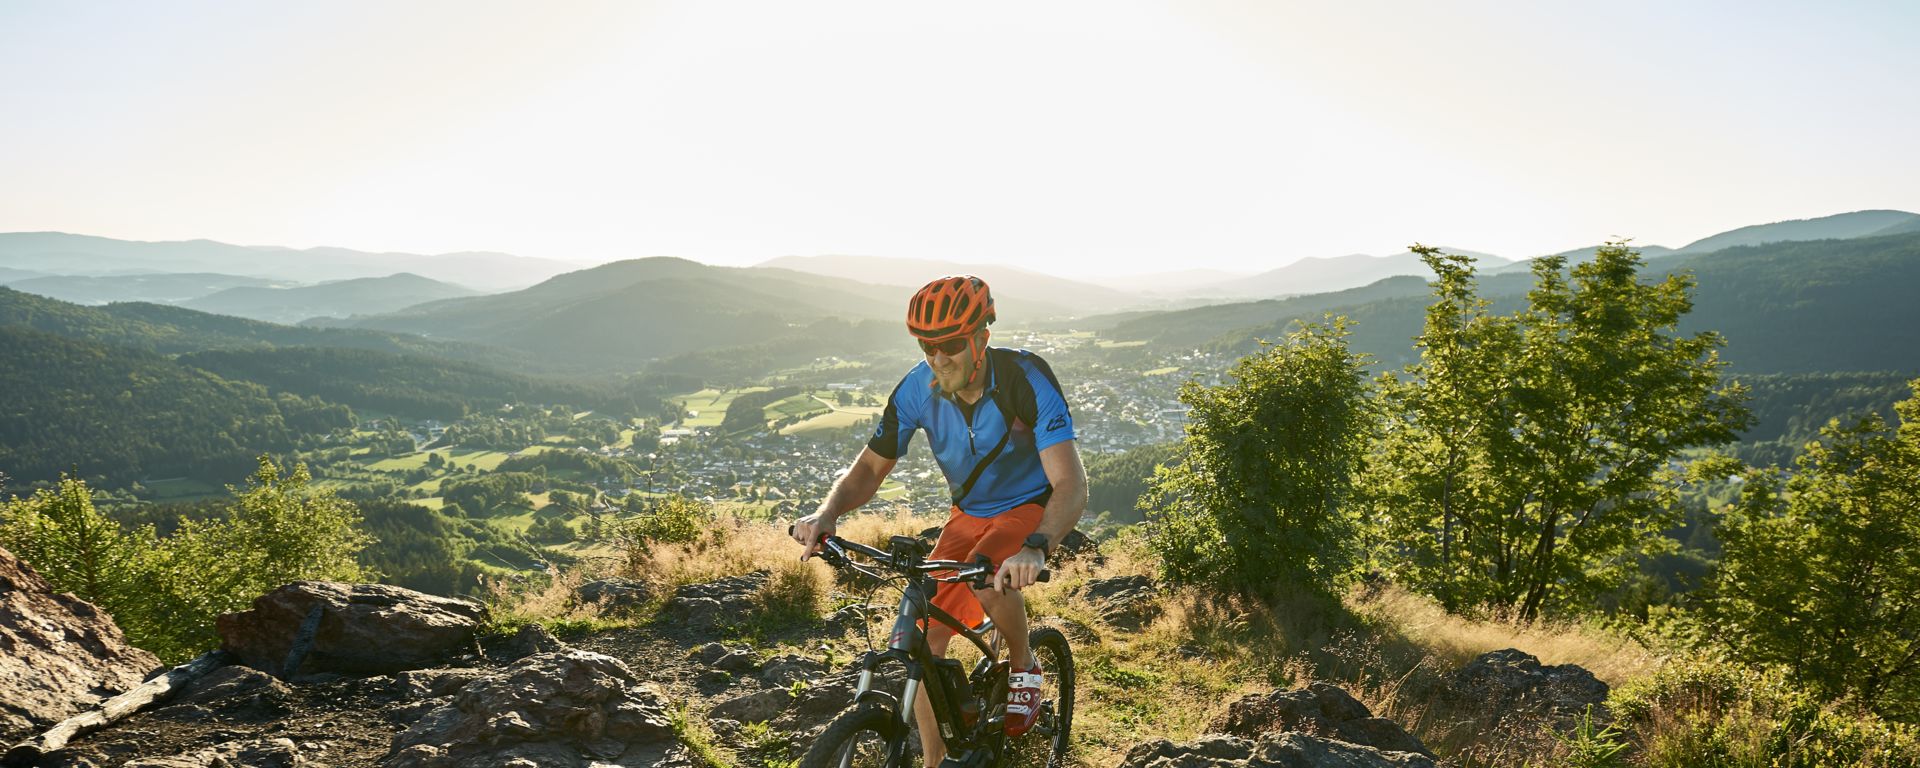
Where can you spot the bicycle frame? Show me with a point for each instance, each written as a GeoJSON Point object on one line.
{"type": "Point", "coordinates": [908, 646]}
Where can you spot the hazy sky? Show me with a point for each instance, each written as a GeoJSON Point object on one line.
{"type": "Point", "coordinates": [1118, 136]}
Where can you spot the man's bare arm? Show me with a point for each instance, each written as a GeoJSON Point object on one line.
{"type": "Point", "coordinates": [1064, 508]}
{"type": "Point", "coordinates": [855, 487]}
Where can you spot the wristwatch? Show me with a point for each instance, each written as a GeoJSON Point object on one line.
{"type": "Point", "coordinates": [1040, 542]}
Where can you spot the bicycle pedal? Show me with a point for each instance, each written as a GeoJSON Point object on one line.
{"type": "Point", "coordinates": [973, 758]}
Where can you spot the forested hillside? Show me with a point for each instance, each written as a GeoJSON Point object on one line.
{"type": "Point", "coordinates": [102, 412]}
{"type": "Point", "coordinates": [1825, 305]}
{"type": "Point", "coordinates": [413, 385]}
{"type": "Point", "coordinates": [619, 316]}
{"type": "Point", "coordinates": [343, 298]}
{"type": "Point", "coordinates": [174, 330]}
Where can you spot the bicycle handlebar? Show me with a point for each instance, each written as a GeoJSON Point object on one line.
{"type": "Point", "coordinates": [980, 572]}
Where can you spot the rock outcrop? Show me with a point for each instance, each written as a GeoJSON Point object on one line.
{"type": "Point", "coordinates": [570, 708]}
{"type": "Point", "coordinates": [1277, 750]}
{"type": "Point", "coordinates": [1125, 602]}
{"type": "Point", "coordinates": [262, 753]}
{"type": "Point", "coordinates": [356, 629]}
{"type": "Point", "coordinates": [1509, 684]}
{"type": "Point", "coordinates": [59, 655]}
{"type": "Point", "coordinates": [1320, 709]}
{"type": "Point", "coordinates": [614, 595]}
{"type": "Point", "coordinates": [711, 605]}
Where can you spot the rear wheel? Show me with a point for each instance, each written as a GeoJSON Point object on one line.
{"type": "Point", "coordinates": [863, 737]}
{"type": "Point", "coordinates": [1046, 743]}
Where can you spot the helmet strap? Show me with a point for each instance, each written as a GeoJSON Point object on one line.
{"type": "Point", "coordinates": [978, 347]}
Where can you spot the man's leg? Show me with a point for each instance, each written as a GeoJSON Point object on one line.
{"type": "Point", "coordinates": [1009, 612]}
{"type": "Point", "coordinates": [931, 747]}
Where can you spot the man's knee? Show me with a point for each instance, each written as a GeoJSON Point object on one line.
{"type": "Point", "coordinates": [993, 601]}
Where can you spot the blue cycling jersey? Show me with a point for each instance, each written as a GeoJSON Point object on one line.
{"type": "Point", "coordinates": [1021, 396]}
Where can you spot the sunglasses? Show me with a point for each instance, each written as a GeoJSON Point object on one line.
{"type": "Point", "coordinates": [950, 347]}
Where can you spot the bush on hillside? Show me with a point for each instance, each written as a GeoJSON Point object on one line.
{"type": "Point", "coordinates": [165, 592]}
{"type": "Point", "coordinates": [1818, 573]}
{"type": "Point", "coordinates": [1256, 502]}
{"type": "Point", "coordinates": [1699, 712]}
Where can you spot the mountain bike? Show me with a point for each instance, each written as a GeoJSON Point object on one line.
{"type": "Point", "coordinates": [969, 708]}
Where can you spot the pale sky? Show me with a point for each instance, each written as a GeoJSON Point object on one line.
{"type": "Point", "coordinates": [1068, 137]}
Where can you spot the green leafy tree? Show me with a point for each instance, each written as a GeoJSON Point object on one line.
{"type": "Point", "coordinates": [1530, 457]}
{"type": "Point", "coordinates": [280, 529]}
{"type": "Point", "coordinates": [1256, 501]}
{"type": "Point", "coordinates": [60, 533]}
{"type": "Point", "coordinates": [1819, 573]}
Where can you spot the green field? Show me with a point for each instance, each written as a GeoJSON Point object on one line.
{"type": "Point", "coordinates": [799, 406]}
{"type": "Point", "coordinates": [711, 405]}
{"type": "Point", "coordinates": [1162, 371]}
{"type": "Point", "coordinates": [181, 488]}
{"type": "Point", "coordinates": [839, 419]}
{"type": "Point", "coordinates": [434, 503]}
{"type": "Point", "coordinates": [1103, 344]}
{"type": "Point", "coordinates": [487, 460]}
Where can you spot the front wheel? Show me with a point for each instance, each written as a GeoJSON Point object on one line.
{"type": "Point", "coordinates": [1046, 743]}
{"type": "Point", "coordinates": [863, 737]}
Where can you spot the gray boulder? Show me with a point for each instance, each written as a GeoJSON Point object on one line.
{"type": "Point", "coordinates": [615, 595]}
{"type": "Point", "coordinates": [262, 753]}
{"type": "Point", "coordinates": [59, 655]}
{"type": "Point", "coordinates": [1320, 709]}
{"type": "Point", "coordinates": [361, 629]}
{"type": "Point", "coordinates": [709, 606]}
{"type": "Point", "coordinates": [1275, 750]}
{"type": "Point", "coordinates": [1511, 684]}
{"type": "Point", "coordinates": [1125, 602]}
{"type": "Point", "coordinates": [572, 708]}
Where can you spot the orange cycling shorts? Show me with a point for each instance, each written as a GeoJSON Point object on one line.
{"type": "Point", "coordinates": [964, 537]}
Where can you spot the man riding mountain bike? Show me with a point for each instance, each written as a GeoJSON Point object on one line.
{"type": "Point", "coordinates": [998, 424]}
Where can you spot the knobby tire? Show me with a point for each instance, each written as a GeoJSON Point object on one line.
{"type": "Point", "coordinates": [876, 733]}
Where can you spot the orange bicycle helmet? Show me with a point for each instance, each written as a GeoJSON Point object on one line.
{"type": "Point", "coordinates": [949, 308]}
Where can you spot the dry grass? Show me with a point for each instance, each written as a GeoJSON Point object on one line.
{"type": "Point", "coordinates": [1612, 658]}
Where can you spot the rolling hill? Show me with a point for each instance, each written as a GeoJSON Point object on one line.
{"type": "Point", "coordinates": [171, 330]}
{"type": "Point", "coordinates": [621, 315]}
{"type": "Point", "coordinates": [168, 288]}
{"type": "Point", "coordinates": [1325, 275]}
{"type": "Point", "coordinates": [1837, 227]}
{"type": "Point", "coordinates": [1031, 296]}
{"type": "Point", "coordinates": [66, 254]}
{"type": "Point", "coordinates": [102, 411]}
{"type": "Point", "coordinates": [344, 298]}
{"type": "Point", "coordinates": [1785, 307]}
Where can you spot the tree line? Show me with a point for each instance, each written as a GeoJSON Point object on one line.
{"type": "Point", "coordinates": [1525, 463]}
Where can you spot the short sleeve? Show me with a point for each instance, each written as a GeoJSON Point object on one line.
{"type": "Point", "coordinates": [1053, 421]}
{"type": "Point", "coordinates": [897, 423]}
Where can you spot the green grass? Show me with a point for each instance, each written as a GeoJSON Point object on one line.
{"type": "Point", "coordinates": [1105, 344]}
{"type": "Point", "coordinates": [1162, 371]}
{"type": "Point", "coordinates": [434, 503]}
{"type": "Point", "coordinates": [840, 419]}
{"type": "Point", "coordinates": [711, 405]}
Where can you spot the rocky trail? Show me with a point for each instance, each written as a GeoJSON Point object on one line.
{"type": "Point", "coordinates": [324, 674]}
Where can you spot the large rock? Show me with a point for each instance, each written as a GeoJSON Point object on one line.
{"type": "Point", "coordinates": [571, 708]}
{"type": "Point", "coordinates": [262, 753]}
{"type": "Point", "coordinates": [363, 629]}
{"type": "Point", "coordinates": [1320, 709]}
{"type": "Point", "coordinates": [1503, 685]}
{"type": "Point", "coordinates": [59, 655]}
{"type": "Point", "coordinates": [1126, 602]}
{"type": "Point", "coordinates": [1276, 750]}
{"type": "Point", "coordinates": [709, 606]}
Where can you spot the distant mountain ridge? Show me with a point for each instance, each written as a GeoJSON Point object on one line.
{"type": "Point", "coordinates": [1016, 292]}
{"type": "Point", "coordinates": [69, 254]}
{"type": "Point", "coordinates": [1837, 227]}
{"type": "Point", "coordinates": [343, 298]}
{"type": "Point", "coordinates": [619, 316]}
{"type": "Point", "coordinates": [1315, 274]}
{"type": "Point", "coordinates": [162, 288]}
